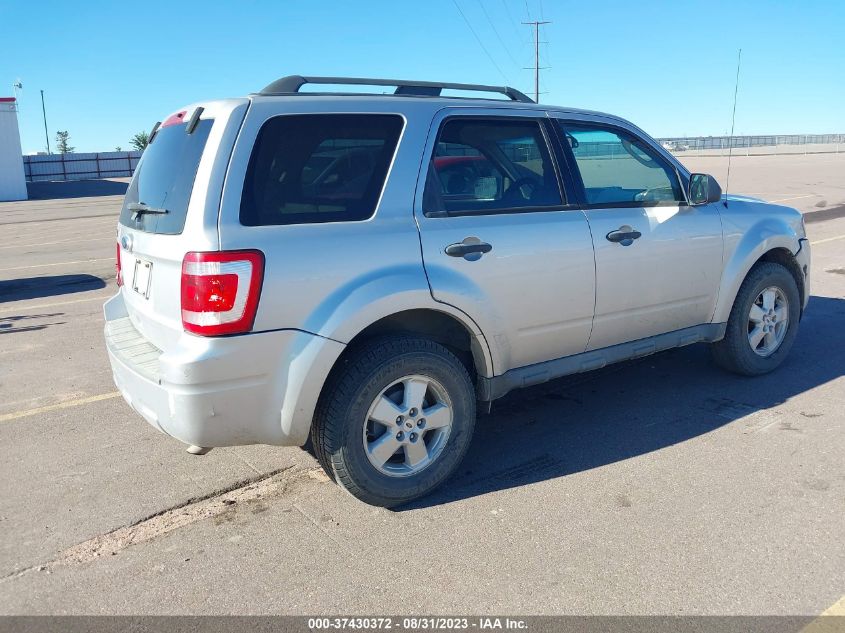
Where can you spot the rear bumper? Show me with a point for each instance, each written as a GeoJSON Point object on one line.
{"type": "Point", "coordinates": [257, 388]}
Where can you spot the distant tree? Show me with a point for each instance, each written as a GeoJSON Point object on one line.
{"type": "Point", "coordinates": [140, 141]}
{"type": "Point", "coordinates": [118, 149]}
{"type": "Point", "coordinates": [62, 142]}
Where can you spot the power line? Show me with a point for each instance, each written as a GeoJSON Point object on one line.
{"type": "Point", "coordinates": [480, 43]}
{"type": "Point", "coordinates": [496, 31]}
{"type": "Point", "coordinates": [545, 31]}
{"type": "Point", "coordinates": [512, 22]}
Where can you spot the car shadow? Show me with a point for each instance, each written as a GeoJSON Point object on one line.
{"type": "Point", "coordinates": [13, 325]}
{"type": "Point", "coordinates": [56, 189]}
{"type": "Point", "coordinates": [591, 420]}
{"type": "Point", "coordinates": [50, 286]}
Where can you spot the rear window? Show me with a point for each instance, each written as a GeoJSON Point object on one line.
{"type": "Point", "coordinates": [164, 180]}
{"type": "Point", "coordinates": [318, 168]}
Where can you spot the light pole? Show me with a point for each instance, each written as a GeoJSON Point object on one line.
{"type": "Point", "coordinates": [44, 112]}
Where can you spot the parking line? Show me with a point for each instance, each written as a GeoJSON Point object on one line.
{"type": "Point", "coordinates": [6, 417]}
{"type": "Point", "coordinates": [827, 239]}
{"type": "Point", "coordinates": [78, 261]}
{"type": "Point", "coordinates": [43, 306]}
{"type": "Point", "coordinates": [92, 239]}
{"type": "Point", "coordinates": [809, 195]}
{"type": "Point", "coordinates": [826, 623]}
{"type": "Point", "coordinates": [837, 608]}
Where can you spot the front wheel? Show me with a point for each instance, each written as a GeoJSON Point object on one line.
{"type": "Point", "coordinates": [763, 322]}
{"type": "Point", "coordinates": [395, 419]}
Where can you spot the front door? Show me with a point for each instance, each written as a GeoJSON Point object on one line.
{"type": "Point", "coordinates": [658, 260]}
{"type": "Point", "coordinates": [500, 241]}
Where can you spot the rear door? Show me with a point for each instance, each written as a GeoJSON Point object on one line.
{"type": "Point", "coordinates": [658, 259]}
{"type": "Point", "coordinates": [500, 240]}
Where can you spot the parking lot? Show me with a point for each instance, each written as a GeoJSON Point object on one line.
{"type": "Point", "coordinates": [659, 486]}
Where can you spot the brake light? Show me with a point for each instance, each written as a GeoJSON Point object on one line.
{"type": "Point", "coordinates": [175, 119]}
{"type": "Point", "coordinates": [220, 291]}
{"type": "Point", "coordinates": [118, 269]}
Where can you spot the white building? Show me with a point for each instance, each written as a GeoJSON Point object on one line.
{"type": "Point", "coordinates": [12, 179]}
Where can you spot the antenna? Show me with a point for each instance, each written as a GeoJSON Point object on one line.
{"type": "Point", "coordinates": [733, 120]}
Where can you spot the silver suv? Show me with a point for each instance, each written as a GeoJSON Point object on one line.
{"type": "Point", "coordinates": [361, 270]}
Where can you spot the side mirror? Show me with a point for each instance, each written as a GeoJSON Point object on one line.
{"type": "Point", "coordinates": [703, 189]}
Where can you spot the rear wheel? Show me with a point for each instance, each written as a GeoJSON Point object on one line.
{"type": "Point", "coordinates": [763, 322]}
{"type": "Point", "coordinates": [395, 420]}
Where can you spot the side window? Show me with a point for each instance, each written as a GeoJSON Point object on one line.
{"type": "Point", "coordinates": [318, 168]}
{"type": "Point", "coordinates": [620, 170]}
{"type": "Point", "coordinates": [489, 165]}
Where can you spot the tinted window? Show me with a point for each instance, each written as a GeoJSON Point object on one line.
{"type": "Point", "coordinates": [318, 168]}
{"type": "Point", "coordinates": [620, 169]}
{"type": "Point", "coordinates": [164, 179]}
{"type": "Point", "coordinates": [485, 166]}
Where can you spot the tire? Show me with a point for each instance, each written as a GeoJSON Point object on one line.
{"type": "Point", "coordinates": [735, 352]}
{"type": "Point", "coordinates": [354, 424]}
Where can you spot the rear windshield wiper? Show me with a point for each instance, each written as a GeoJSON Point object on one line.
{"type": "Point", "coordinates": [139, 208]}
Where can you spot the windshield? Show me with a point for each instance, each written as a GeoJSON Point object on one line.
{"type": "Point", "coordinates": [157, 198]}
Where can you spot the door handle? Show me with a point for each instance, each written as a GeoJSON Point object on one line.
{"type": "Point", "coordinates": [471, 249]}
{"type": "Point", "coordinates": [624, 235]}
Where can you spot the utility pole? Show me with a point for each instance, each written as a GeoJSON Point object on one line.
{"type": "Point", "coordinates": [536, 24]}
{"type": "Point", "coordinates": [44, 112]}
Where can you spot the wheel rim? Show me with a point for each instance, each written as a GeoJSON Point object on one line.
{"type": "Point", "coordinates": [407, 426]}
{"type": "Point", "coordinates": [768, 321]}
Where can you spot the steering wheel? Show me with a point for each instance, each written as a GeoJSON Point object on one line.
{"type": "Point", "coordinates": [647, 195]}
{"type": "Point", "coordinates": [518, 187]}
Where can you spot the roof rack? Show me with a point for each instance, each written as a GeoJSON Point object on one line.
{"type": "Point", "coordinates": [292, 84]}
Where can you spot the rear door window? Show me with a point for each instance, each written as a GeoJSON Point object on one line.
{"type": "Point", "coordinates": [318, 168]}
{"type": "Point", "coordinates": [482, 166]}
{"type": "Point", "coordinates": [164, 179]}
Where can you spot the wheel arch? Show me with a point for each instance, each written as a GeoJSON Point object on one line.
{"type": "Point", "coordinates": [780, 255]}
{"type": "Point", "coordinates": [767, 241]}
{"type": "Point", "coordinates": [785, 258]}
{"type": "Point", "coordinates": [396, 296]}
{"type": "Point", "coordinates": [441, 325]}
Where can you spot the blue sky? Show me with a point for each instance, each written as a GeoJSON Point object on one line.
{"type": "Point", "coordinates": [112, 69]}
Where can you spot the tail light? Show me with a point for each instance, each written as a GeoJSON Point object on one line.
{"type": "Point", "coordinates": [220, 291]}
{"type": "Point", "coordinates": [118, 269]}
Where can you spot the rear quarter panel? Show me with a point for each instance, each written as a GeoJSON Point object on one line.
{"type": "Point", "coordinates": [336, 278]}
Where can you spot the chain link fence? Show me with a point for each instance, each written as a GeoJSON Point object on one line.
{"type": "Point", "coordinates": [758, 145]}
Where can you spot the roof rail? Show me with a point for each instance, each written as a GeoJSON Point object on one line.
{"type": "Point", "coordinates": [292, 84]}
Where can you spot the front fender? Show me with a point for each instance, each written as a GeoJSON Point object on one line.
{"type": "Point", "coordinates": [743, 248]}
